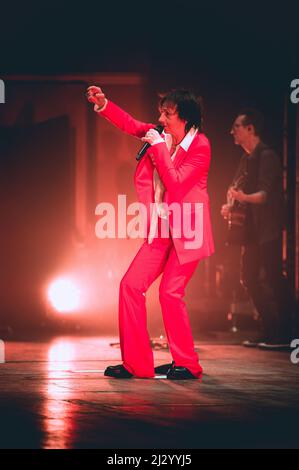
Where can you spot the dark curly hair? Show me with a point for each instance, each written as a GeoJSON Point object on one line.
{"type": "Point", "coordinates": [188, 106]}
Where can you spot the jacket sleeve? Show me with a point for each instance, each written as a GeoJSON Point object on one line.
{"type": "Point", "coordinates": [270, 172]}
{"type": "Point", "coordinates": [179, 181]}
{"type": "Point", "coordinates": [124, 121]}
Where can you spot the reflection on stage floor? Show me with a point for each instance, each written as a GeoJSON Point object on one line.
{"type": "Point", "coordinates": [53, 394]}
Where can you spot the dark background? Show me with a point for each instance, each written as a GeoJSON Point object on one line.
{"type": "Point", "coordinates": [225, 43]}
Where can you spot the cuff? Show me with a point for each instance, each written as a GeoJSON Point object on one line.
{"type": "Point", "coordinates": [158, 140]}
{"type": "Point", "coordinates": [97, 109]}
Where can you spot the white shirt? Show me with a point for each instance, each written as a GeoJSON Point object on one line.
{"type": "Point", "coordinates": [159, 187]}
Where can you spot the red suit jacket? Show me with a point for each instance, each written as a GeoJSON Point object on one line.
{"type": "Point", "coordinates": [185, 181]}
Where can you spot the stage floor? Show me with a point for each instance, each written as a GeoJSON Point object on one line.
{"type": "Point", "coordinates": [53, 394]}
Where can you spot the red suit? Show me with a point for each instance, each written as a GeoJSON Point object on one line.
{"type": "Point", "coordinates": [185, 181]}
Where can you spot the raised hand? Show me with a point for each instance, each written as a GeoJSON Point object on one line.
{"type": "Point", "coordinates": [95, 95]}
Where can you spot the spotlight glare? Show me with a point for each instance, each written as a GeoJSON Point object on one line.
{"type": "Point", "coordinates": [64, 295]}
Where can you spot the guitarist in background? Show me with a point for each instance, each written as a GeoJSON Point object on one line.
{"type": "Point", "coordinates": [262, 196]}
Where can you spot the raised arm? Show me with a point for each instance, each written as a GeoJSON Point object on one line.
{"type": "Point", "coordinates": [117, 116]}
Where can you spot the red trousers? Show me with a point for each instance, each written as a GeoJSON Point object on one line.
{"type": "Point", "coordinates": [150, 261]}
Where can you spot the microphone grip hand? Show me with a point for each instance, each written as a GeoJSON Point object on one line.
{"type": "Point", "coordinates": [152, 137]}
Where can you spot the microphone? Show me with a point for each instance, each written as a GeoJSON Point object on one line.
{"type": "Point", "coordinates": [146, 145]}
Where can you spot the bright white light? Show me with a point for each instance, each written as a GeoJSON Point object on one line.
{"type": "Point", "coordinates": [61, 351]}
{"type": "Point", "coordinates": [64, 295]}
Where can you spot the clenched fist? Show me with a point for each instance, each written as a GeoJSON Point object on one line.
{"type": "Point", "coordinates": [152, 137]}
{"type": "Point", "coordinates": [95, 95]}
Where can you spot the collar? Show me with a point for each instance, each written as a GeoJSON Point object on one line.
{"type": "Point", "coordinates": [188, 139]}
{"type": "Point", "coordinates": [185, 143]}
{"type": "Point", "coordinates": [257, 150]}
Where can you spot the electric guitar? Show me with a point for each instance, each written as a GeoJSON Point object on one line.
{"type": "Point", "coordinates": [237, 214]}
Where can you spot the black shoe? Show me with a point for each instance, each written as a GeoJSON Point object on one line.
{"type": "Point", "coordinates": [164, 368]}
{"type": "Point", "coordinates": [119, 372]}
{"type": "Point", "coordinates": [180, 373]}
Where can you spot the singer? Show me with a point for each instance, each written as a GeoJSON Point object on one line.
{"type": "Point", "coordinates": [174, 169]}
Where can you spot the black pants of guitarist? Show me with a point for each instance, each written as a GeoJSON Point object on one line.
{"type": "Point", "coordinates": [262, 277]}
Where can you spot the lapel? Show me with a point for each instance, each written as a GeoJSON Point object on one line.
{"type": "Point", "coordinates": [143, 177]}
{"type": "Point", "coordinates": [181, 153]}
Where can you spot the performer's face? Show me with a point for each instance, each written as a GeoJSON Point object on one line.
{"type": "Point", "coordinates": [239, 131]}
{"type": "Point", "coordinates": [170, 120]}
